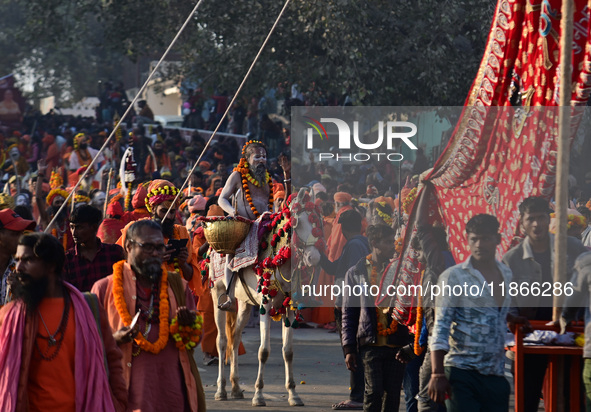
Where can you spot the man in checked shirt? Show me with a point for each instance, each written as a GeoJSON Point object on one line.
{"type": "Point", "coordinates": [90, 259]}
{"type": "Point", "coordinates": [467, 345]}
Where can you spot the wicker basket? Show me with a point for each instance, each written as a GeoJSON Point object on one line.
{"type": "Point", "coordinates": [224, 236]}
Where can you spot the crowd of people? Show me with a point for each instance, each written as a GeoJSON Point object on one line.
{"type": "Point", "coordinates": [137, 245]}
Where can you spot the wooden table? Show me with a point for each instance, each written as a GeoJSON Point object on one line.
{"type": "Point", "coordinates": [572, 354]}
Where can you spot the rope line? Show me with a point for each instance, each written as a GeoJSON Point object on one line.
{"type": "Point", "coordinates": [131, 105]}
{"type": "Point", "coordinates": [228, 108]}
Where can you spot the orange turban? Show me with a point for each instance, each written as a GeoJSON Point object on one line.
{"type": "Point", "coordinates": [342, 197]}
{"type": "Point", "coordinates": [139, 198]}
{"type": "Point", "coordinates": [388, 201]}
{"type": "Point", "coordinates": [114, 209]}
{"type": "Point", "coordinates": [280, 194]}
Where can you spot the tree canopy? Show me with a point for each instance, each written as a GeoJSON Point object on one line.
{"type": "Point", "coordinates": [408, 52]}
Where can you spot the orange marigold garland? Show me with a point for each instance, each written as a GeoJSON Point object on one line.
{"type": "Point", "coordinates": [418, 349]}
{"type": "Point", "coordinates": [573, 220]}
{"type": "Point", "coordinates": [382, 330]}
{"type": "Point", "coordinates": [81, 199]}
{"type": "Point", "coordinates": [123, 311]}
{"type": "Point", "coordinates": [409, 200]}
{"type": "Point", "coordinates": [56, 180]}
{"type": "Point", "coordinates": [128, 196]}
{"type": "Point", "coordinates": [56, 192]}
{"type": "Point", "coordinates": [398, 244]}
{"type": "Point", "coordinates": [373, 279]}
{"type": "Point", "coordinates": [186, 337]}
{"type": "Point", "coordinates": [242, 168]}
{"type": "Point", "coordinates": [56, 235]}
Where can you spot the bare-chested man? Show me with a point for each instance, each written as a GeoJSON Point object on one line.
{"type": "Point", "coordinates": [247, 194]}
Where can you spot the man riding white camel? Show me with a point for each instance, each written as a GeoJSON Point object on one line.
{"type": "Point", "coordinates": [248, 192]}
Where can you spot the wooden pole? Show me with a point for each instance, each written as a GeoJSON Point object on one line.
{"type": "Point", "coordinates": [562, 170]}
{"type": "Point", "coordinates": [107, 192]}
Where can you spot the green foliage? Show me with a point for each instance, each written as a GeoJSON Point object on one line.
{"type": "Point", "coordinates": [404, 52]}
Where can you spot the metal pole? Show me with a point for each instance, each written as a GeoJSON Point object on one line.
{"type": "Point", "coordinates": [399, 194]}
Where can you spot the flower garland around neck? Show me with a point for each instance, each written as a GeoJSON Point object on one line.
{"type": "Point", "coordinates": [177, 266]}
{"type": "Point", "coordinates": [383, 331]}
{"type": "Point", "coordinates": [373, 279]}
{"type": "Point", "coordinates": [244, 171]}
{"type": "Point", "coordinates": [57, 233]}
{"type": "Point", "coordinates": [123, 311]}
{"type": "Point", "coordinates": [373, 276]}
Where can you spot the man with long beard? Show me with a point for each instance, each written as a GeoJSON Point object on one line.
{"type": "Point", "coordinates": [53, 355]}
{"type": "Point", "coordinates": [249, 187]}
{"type": "Point", "coordinates": [12, 227]}
{"type": "Point", "coordinates": [159, 376]}
{"type": "Point", "coordinates": [178, 256]}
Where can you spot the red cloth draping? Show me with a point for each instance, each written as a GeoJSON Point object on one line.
{"type": "Point", "coordinates": [496, 158]}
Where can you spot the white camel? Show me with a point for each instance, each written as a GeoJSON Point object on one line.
{"type": "Point", "coordinates": [248, 292]}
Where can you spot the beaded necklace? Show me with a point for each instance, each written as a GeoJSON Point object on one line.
{"type": "Point", "coordinates": [245, 175]}
{"type": "Point", "coordinates": [56, 339]}
{"type": "Point", "coordinates": [373, 279]}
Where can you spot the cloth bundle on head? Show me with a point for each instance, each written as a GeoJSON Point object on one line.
{"type": "Point", "coordinates": [204, 164]}
{"type": "Point", "coordinates": [317, 188]}
{"type": "Point", "coordinates": [342, 197]}
{"type": "Point", "coordinates": [161, 192]}
{"type": "Point", "coordinates": [6, 201]}
{"type": "Point", "coordinates": [197, 204]}
{"type": "Point", "coordinates": [139, 198]}
{"type": "Point", "coordinates": [114, 210]}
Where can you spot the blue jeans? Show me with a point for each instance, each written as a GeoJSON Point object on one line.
{"type": "Point", "coordinates": [411, 383]}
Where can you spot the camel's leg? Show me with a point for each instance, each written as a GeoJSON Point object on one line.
{"type": "Point", "coordinates": [264, 351]}
{"type": "Point", "coordinates": [244, 310]}
{"type": "Point", "coordinates": [221, 341]}
{"type": "Point", "coordinates": [294, 398]}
